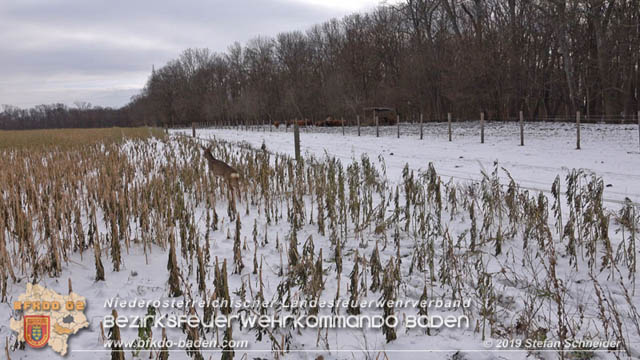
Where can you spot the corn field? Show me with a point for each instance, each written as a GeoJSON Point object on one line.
{"type": "Point", "coordinates": [539, 266]}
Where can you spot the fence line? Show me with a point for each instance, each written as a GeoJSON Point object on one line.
{"type": "Point", "coordinates": [527, 187]}
{"type": "Point", "coordinates": [306, 126]}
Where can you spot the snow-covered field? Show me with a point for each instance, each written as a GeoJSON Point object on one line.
{"type": "Point", "coordinates": [541, 291]}
{"type": "Point", "coordinates": [611, 151]}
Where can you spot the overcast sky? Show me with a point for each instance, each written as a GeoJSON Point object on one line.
{"type": "Point", "coordinates": [102, 51]}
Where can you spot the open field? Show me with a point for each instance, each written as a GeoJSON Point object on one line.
{"type": "Point", "coordinates": [65, 138]}
{"type": "Point", "coordinates": [360, 219]}
{"type": "Point", "coordinates": [611, 151]}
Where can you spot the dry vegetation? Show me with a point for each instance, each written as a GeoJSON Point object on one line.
{"type": "Point", "coordinates": [66, 138]}
{"type": "Point", "coordinates": [541, 267]}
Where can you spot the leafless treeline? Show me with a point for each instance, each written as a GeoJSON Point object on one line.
{"type": "Point", "coordinates": [82, 115]}
{"type": "Point", "coordinates": [548, 58]}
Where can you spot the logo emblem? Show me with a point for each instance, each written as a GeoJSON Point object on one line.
{"type": "Point", "coordinates": [36, 330]}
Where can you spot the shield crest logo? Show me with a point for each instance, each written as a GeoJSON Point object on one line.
{"type": "Point", "coordinates": [36, 330]}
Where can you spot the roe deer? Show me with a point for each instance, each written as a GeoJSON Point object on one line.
{"type": "Point", "coordinates": [221, 169]}
{"type": "Point", "coordinates": [230, 175]}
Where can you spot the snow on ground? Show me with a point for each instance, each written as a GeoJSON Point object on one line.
{"type": "Point", "coordinates": [609, 150]}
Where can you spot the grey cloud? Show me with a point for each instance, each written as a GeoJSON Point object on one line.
{"type": "Point", "coordinates": [83, 59]}
{"type": "Point", "coordinates": [94, 41]}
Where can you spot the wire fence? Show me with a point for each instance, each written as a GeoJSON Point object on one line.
{"type": "Point", "coordinates": [521, 130]}
{"type": "Point", "coordinates": [625, 138]}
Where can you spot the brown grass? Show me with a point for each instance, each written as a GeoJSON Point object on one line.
{"type": "Point", "coordinates": [66, 138]}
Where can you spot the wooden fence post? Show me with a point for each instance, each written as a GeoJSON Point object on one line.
{"type": "Point", "coordinates": [449, 121]}
{"type": "Point", "coordinates": [296, 139]}
{"type": "Point", "coordinates": [193, 129]}
{"type": "Point", "coordinates": [375, 116]}
{"type": "Point", "coordinates": [482, 127]}
{"type": "Point", "coordinates": [421, 122]}
{"type": "Point", "coordinates": [358, 120]}
{"type": "Point", "coordinates": [342, 123]}
{"type": "Point", "coordinates": [521, 128]}
{"type": "Point", "coordinates": [398, 122]}
{"type": "Point", "coordinates": [578, 130]}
